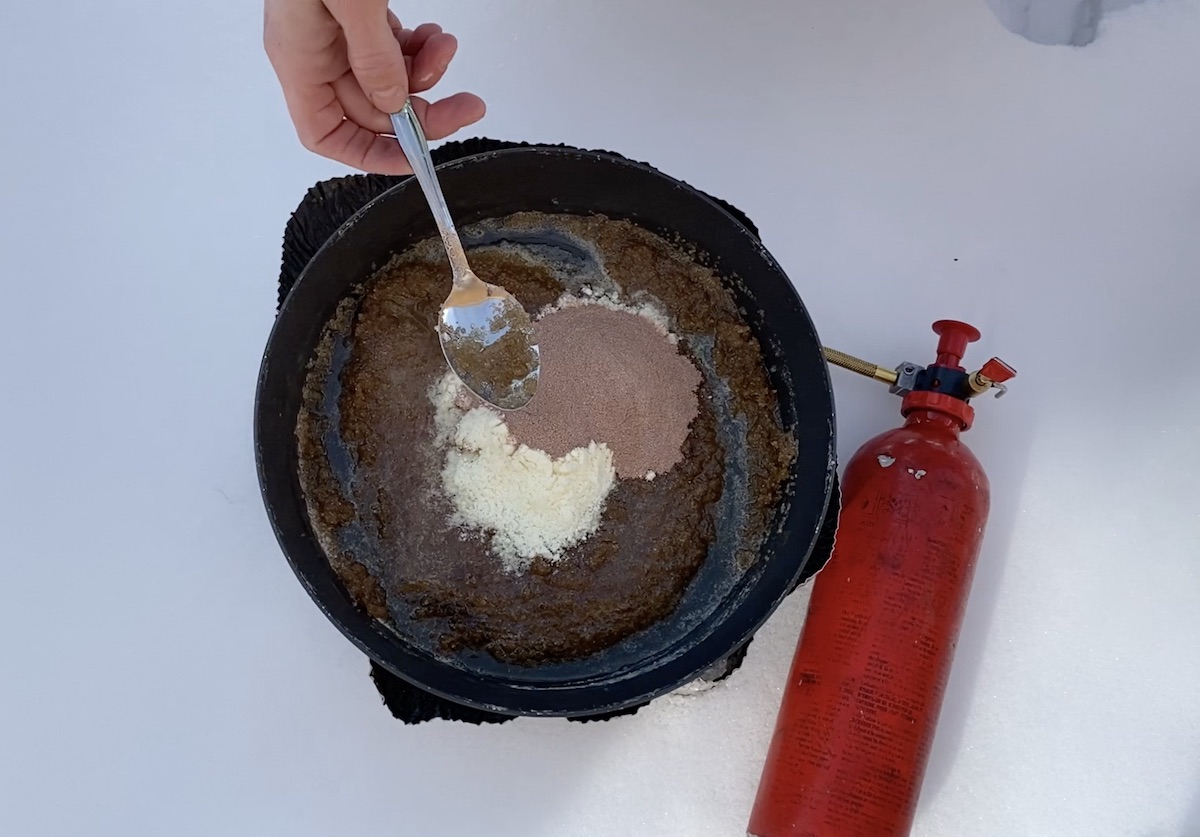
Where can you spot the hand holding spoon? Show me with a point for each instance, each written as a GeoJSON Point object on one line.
{"type": "Point", "coordinates": [486, 336]}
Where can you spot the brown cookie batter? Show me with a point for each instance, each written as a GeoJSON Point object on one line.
{"type": "Point", "coordinates": [421, 574]}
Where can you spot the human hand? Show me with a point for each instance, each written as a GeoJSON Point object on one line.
{"type": "Point", "coordinates": [345, 65]}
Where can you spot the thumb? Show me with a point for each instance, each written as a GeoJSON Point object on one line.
{"type": "Point", "coordinates": [376, 58]}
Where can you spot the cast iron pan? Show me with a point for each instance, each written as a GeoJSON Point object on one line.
{"type": "Point", "coordinates": [721, 609]}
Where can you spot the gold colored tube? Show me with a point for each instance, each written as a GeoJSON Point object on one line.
{"type": "Point", "coordinates": [870, 370]}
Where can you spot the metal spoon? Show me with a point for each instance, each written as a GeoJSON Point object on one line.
{"type": "Point", "coordinates": [486, 336]}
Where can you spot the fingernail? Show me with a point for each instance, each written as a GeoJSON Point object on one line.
{"type": "Point", "coordinates": [394, 91]}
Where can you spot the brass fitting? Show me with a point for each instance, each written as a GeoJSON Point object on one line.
{"type": "Point", "coordinates": [992, 376]}
{"type": "Point", "coordinates": [869, 370]}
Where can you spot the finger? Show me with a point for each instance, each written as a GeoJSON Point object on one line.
{"type": "Point", "coordinates": [358, 108]}
{"type": "Point", "coordinates": [442, 118]}
{"type": "Point", "coordinates": [315, 111]}
{"type": "Point", "coordinates": [376, 58]}
{"type": "Point", "coordinates": [401, 35]}
{"type": "Point", "coordinates": [419, 36]}
{"type": "Point", "coordinates": [429, 65]}
{"type": "Point", "coordinates": [365, 150]}
{"type": "Point", "coordinates": [323, 128]}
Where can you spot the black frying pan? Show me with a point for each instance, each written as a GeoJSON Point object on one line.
{"type": "Point", "coordinates": [718, 613]}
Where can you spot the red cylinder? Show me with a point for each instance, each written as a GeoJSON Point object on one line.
{"type": "Point", "coordinates": [861, 703]}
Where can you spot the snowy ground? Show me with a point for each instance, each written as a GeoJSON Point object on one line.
{"type": "Point", "coordinates": [165, 674]}
{"type": "Point", "coordinates": [1069, 22]}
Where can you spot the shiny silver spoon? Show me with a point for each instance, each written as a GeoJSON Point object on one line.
{"type": "Point", "coordinates": [486, 336]}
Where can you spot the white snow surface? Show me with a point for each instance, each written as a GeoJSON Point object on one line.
{"type": "Point", "coordinates": [1060, 22]}
{"type": "Point", "coordinates": [164, 673]}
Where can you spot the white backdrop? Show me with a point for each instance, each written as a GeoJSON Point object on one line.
{"type": "Point", "coordinates": [163, 672]}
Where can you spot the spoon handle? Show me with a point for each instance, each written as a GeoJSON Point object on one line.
{"type": "Point", "coordinates": [412, 141]}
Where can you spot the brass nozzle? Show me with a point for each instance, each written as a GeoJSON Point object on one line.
{"type": "Point", "coordinates": [979, 383]}
{"type": "Point", "coordinates": [870, 370]}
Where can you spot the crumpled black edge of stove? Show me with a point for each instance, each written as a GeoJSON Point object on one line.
{"type": "Point", "coordinates": [324, 209]}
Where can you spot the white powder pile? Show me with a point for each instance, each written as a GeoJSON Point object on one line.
{"type": "Point", "coordinates": [532, 504]}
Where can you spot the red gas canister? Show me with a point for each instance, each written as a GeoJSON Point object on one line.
{"type": "Point", "coordinates": [862, 699]}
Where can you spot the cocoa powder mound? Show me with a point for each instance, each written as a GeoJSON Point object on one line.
{"type": "Point", "coordinates": [609, 376]}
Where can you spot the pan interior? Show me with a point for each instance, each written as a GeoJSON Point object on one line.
{"type": "Point", "coordinates": [575, 265]}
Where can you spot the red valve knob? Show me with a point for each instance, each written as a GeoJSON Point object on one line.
{"type": "Point", "coordinates": [953, 343]}
{"type": "Point", "coordinates": [997, 371]}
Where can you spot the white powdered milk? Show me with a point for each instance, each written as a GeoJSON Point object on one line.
{"type": "Point", "coordinates": [612, 300]}
{"type": "Point", "coordinates": [532, 504]}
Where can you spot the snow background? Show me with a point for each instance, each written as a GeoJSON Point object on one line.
{"type": "Point", "coordinates": [163, 672]}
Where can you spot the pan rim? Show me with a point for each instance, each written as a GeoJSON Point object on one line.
{"type": "Point", "coordinates": [571, 698]}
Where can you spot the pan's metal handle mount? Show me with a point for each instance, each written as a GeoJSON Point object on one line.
{"type": "Point", "coordinates": [900, 380]}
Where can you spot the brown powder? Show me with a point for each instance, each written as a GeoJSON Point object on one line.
{"type": "Point", "coordinates": [609, 376]}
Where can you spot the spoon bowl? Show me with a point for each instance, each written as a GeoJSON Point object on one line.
{"type": "Point", "coordinates": [486, 335]}
{"type": "Point", "coordinates": [489, 343]}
